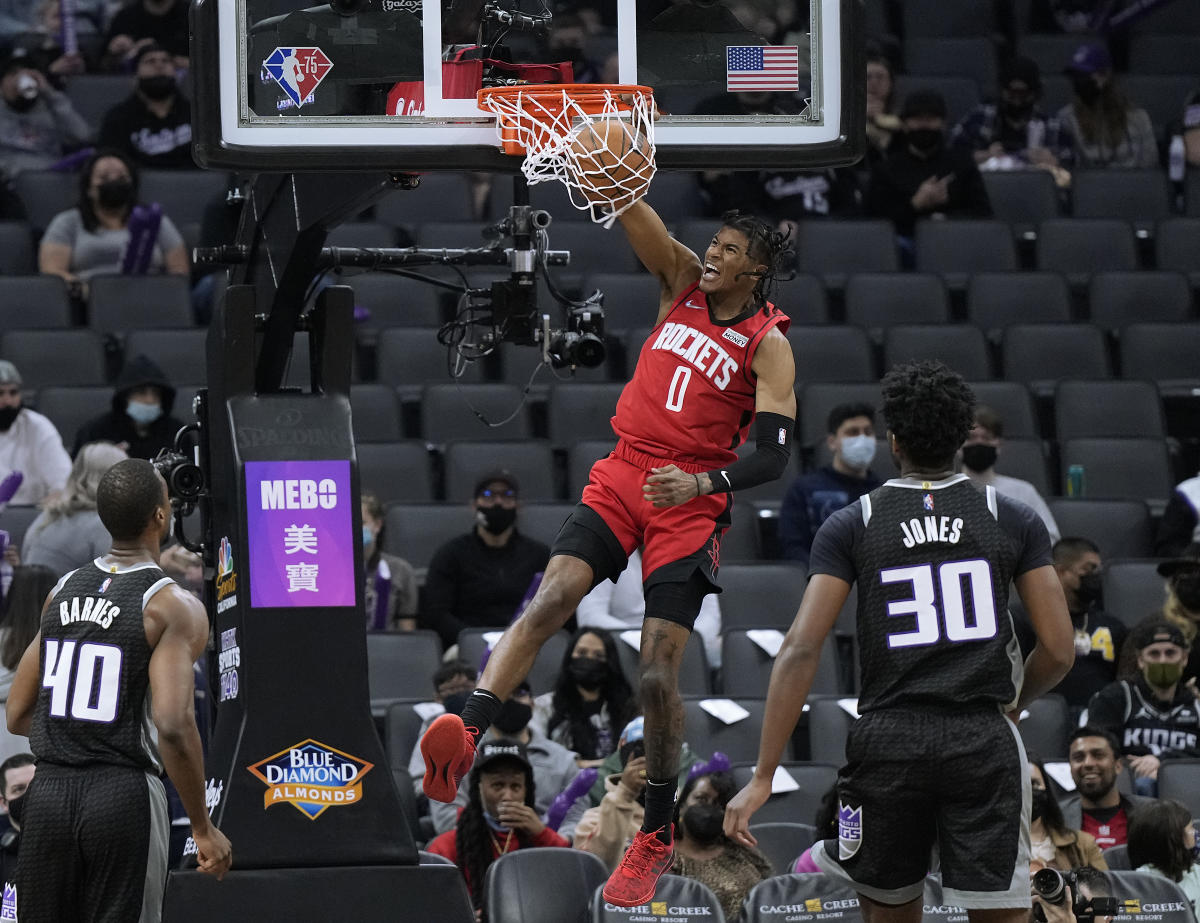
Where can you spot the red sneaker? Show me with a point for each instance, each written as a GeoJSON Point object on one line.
{"type": "Point", "coordinates": [634, 881]}
{"type": "Point", "coordinates": [448, 751]}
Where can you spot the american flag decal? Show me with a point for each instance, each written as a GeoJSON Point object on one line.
{"type": "Point", "coordinates": [757, 69]}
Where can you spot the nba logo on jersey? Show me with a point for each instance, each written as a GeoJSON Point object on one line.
{"type": "Point", "coordinates": [298, 71]}
{"type": "Point", "coordinates": [849, 830]}
{"type": "Point", "coordinates": [928, 502]}
{"type": "Point", "coordinates": [104, 586]}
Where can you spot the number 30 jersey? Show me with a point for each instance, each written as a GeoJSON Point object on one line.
{"type": "Point", "coordinates": [93, 703]}
{"type": "Point", "coordinates": [933, 561]}
{"type": "Point", "coordinates": [692, 395]}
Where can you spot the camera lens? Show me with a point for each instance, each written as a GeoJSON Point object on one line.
{"type": "Point", "coordinates": [1050, 886]}
{"type": "Point", "coordinates": [588, 351]}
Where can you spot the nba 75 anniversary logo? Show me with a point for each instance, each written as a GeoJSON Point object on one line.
{"type": "Point", "coordinates": [312, 777]}
{"type": "Point", "coordinates": [299, 71]}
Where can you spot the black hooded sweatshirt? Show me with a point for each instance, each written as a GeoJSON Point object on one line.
{"type": "Point", "coordinates": [118, 427]}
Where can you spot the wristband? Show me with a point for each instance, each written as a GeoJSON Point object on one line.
{"type": "Point", "coordinates": [698, 491]}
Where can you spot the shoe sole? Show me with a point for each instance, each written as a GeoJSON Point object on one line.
{"type": "Point", "coordinates": [439, 782]}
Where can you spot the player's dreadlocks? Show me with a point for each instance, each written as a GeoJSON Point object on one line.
{"type": "Point", "coordinates": [929, 409]}
{"type": "Point", "coordinates": [766, 245]}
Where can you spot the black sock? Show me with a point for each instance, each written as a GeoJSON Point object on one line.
{"type": "Point", "coordinates": [660, 808]}
{"type": "Point", "coordinates": [479, 713]}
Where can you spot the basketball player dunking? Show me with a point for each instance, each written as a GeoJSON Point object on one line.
{"type": "Point", "coordinates": [116, 648]}
{"type": "Point", "coordinates": [933, 760]}
{"type": "Point", "coordinates": [715, 362]}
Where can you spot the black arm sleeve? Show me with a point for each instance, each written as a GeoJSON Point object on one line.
{"type": "Point", "coordinates": [772, 448]}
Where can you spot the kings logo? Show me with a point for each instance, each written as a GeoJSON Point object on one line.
{"type": "Point", "coordinates": [849, 830]}
{"type": "Point", "coordinates": [312, 778]}
{"type": "Point", "coordinates": [298, 71]}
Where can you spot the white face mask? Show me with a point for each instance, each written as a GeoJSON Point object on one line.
{"type": "Point", "coordinates": [858, 451]}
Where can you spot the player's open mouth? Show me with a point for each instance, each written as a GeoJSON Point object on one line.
{"type": "Point", "coordinates": [710, 272]}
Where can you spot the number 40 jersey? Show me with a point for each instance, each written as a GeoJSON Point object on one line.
{"type": "Point", "coordinates": [93, 703]}
{"type": "Point", "coordinates": [933, 561]}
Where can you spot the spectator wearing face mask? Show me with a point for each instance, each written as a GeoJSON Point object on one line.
{"type": "Point", "coordinates": [1181, 608]}
{"type": "Point", "coordinates": [1052, 843]}
{"type": "Point", "coordinates": [1010, 133]}
{"type": "Point", "coordinates": [979, 455]}
{"type": "Point", "coordinates": [390, 586]}
{"type": "Point", "coordinates": [153, 126]}
{"type": "Point", "coordinates": [1162, 842]}
{"type": "Point", "coordinates": [814, 497]}
{"type": "Point", "coordinates": [16, 773]}
{"type": "Point", "coordinates": [453, 682]}
{"type": "Point", "coordinates": [30, 446]}
{"type": "Point", "coordinates": [1156, 717]}
{"type": "Point", "coordinates": [38, 124]}
{"type": "Point", "coordinates": [140, 421]}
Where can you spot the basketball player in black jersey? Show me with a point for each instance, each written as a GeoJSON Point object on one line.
{"type": "Point", "coordinates": [933, 761]}
{"type": "Point", "coordinates": [115, 651]}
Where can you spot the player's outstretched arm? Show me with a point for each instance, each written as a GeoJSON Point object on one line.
{"type": "Point", "coordinates": [1052, 656]}
{"type": "Point", "coordinates": [184, 633]}
{"type": "Point", "coordinates": [22, 696]}
{"type": "Point", "coordinates": [675, 266]}
{"type": "Point", "coordinates": [791, 678]}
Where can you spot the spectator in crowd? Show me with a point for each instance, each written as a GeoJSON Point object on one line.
{"type": "Point", "coordinates": [38, 124]}
{"type": "Point", "coordinates": [390, 585]}
{"type": "Point", "coordinates": [1162, 841]}
{"type": "Point", "coordinates": [1052, 843]}
{"type": "Point", "coordinates": [1181, 608]}
{"type": "Point", "coordinates": [16, 773]}
{"type": "Point", "coordinates": [153, 126]}
{"type": "Point", "coordinates": [704, 853]}
{"type": "Point", "coordinates": [140, 421]}
{"type": "Point", "coordinates": [1180, 524]}
{"type": "Point", "coordinates": [480, 578]}
{"type": "Point", "coordinates": [607, 829]}
{"type": "Point", "coordinates": [499, 817]}
{"type": "Point", "coordinates": [31, 585]}
{"type": "Point", "coordinates": [29, 444]}
{"type": "Point", "coordinates": [926, 177]}
{"type": "Point", "coordinates": [621, 606]}
{"type": "Point", "coordinates": [44, 44]}
{"type": "Point", "coordinates": [1096, 806]}
{"type": "Point", "coordinates": [1065, 15]}
{"type": "Point", "coordinates": [1008, 134]}
{"type": "Point", "coordinates": [94, 237]}
{"type": "Point", "coordinates": [68, 532]}
{"type": "Point", "coordinates": [614, 763]}
{"type": "Point", "coordinates": [148, 22]}
{"type": "Point", "coordinates": [1191, 128]}
{"type": "Point", "coordinates": [1100, 127]}
{"type": "Point", "coordinates": [553, 765]}
{"type": "Point", "coordinates": [979, 455]}
{"type": "Point", "coordinates": [884, 127]}
{"type": "Point", "coordinates": [591, 701]}
{"type": "Point", "coordinates": [814, 497]}
{"type": "Point", "coordinates": [1155, 716]}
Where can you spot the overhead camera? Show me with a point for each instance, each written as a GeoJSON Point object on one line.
{"type": "Point", "coordinates": [1052, 886]}
{"type": "Point", "coordinates": [581, 341]}
{"type": "Point", "coordinates": [184, 478]}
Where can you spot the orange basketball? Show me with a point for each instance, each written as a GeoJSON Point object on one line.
{"type": "Point", "coordinates": [612, 166]}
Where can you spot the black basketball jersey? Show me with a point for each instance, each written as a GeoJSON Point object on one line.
{"type": "Point", "coordinates": [93, 704]}
{"type": "Point", "coordinates": [933, 561]}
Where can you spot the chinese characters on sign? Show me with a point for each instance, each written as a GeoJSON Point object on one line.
{"type": "Point", "coordinates": [301, 548]}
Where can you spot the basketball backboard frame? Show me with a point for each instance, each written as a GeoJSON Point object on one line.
{"type": "Point", "coordinates": [453, 135]}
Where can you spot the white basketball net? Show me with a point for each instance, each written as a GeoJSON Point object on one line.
{"type": "Point", "coordinates": [549, 130]}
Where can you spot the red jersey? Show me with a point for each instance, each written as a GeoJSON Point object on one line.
{"type": "Point", "coordinates": [691, 397]}
{"type": "Point", "coordinates": [1112, 832]}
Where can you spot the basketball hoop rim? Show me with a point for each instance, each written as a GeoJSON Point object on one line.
{"type": "Point", "coordinates": [547, 92]}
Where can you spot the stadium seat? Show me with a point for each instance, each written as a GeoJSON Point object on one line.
{"type": "Point", "coordinates": [1120, 298]}
{"type": "Point", "coordinates": [773, 900]}
{"type": "Point", "coordinates": [118, 304]}
{"type": "Point", "coordinates": [630, 298]}
{"type": "Point", "coordinates": [1180, 779]}
{"type": "Point", "coordinates": [695, 675]}
{"type": "Point", "coordinates": [582, 411]}
{"type": "Point", "coordinates": [34, 303]}
{"type": "Point", "coordinates": [1161, 95]}
{"type": "Point", "coordinates": [832, 353]}
{"type": "Point", "coordinates": [1025, 459]}
{"type": "Point", "coordinates": [1133, 590]}
{"type": "Point", "coordinates": [961, 93]}
{"type": "Point", "coordinates": [1142, 888]}
{"type": "Point", "coordinates": [16, 520]}
{"type": "Point", "coordinates": [1108, 408]}
{"type": "Point", "coordinates": [396, 301]}
{"type": "Point", "coordinates": [1039, 355]}
{"type": "Point", "coordinates": [402, 727]}
{"type": "Point", "coordinates": [595, 250]}
{"type": "Point", "coordinates": [183, 194]}
{"type": "Point", "coordinates": [1117, 858]}
{"type": "Point", "coordinates": [55, 357]}
{"type": "Point", "coordinates": [449, 411]}
{"type": "Point", "coordinates": [183, 353]}
{"type": "Point", "coordinates": [542, 521]}
{"type": "Point", "coordinates": [400, 665]}
{"type": "Point", "coordinates": [395, 472]}
{"type": "Point", "coordinates": [92, 95]}
{"type": "Point", "coordinates": [740, 542]}
{"type": "Point", "coordinates": [687, 896]}
{"type": "Point", "coordinates": [802, 298]}
{"type": "Point", "coordinates": [960, 346]}
{"type": "Point", "coordinates": [998, 300]}
{"type": "Point", "coordinates": [834, 249]}
{"type": "Point", "coordinates": [746, 667]}
{"type": "Point", "coordinates": [431, 858]}
{"type": "Point", "coordinates": [447, 195]}
{"type": "Point", "coordinates": [1012, 401]}
{"type": "Point", "coordinates": [529, 461]}
{"type": "Point", "coordinates": [879, 300]}
{"type": "Point", "coordinates": [70, 408]}
{"type": "Point", "coordinates": [819, 398]}
{"type": "Point", "coordinates": [1051, 52]}
{"type": "Point", "coordinates": [45, 193]}
{"type": "Point", "coordinates": [973, 57]}
{"type": "Point", "coordinates": [760, 595]}
{"type": "Point", "coordinates": [769, 490]}
{"type": "Point", "coordinates": [16, 249]}
{"type": "Point", "coordinates": [1121, 528]}
{"type": "Point", "coordinates": [375, 414]}
{"type": "Point", "coordinates": [580, 458]}
{"type": "Point", "coordinates": [1079, 247]}
{"type": "Point", "coordinates": [675, 196]}
{"type": "Point", "coordinates": [1163, 353]}
{"type": "Point", "coordinates": [956, 250]}
{"type": "Point", "coordinates": [542, 885]}
{"type": "Point", "coordinates": [1177, 247]}
{"type": "Point", "coordinates": [707, 735]}
{"type": "Point", "coordinates": [782, 842]}
{"type": "Point", "coordinates": [931, 19]}
{"type": "Point", "coordinates": [523, 367]}
{"type": "Point", "coordinates": [1191, 194]}
{"type": "Point", "coordinates": [801, 806]}
{"type": "Point", "coordinates": [1140, 197]}
{"type": "Point", "coordinates": [828, 727]}
{"type": "Point", "coordinates": [1046, 727]}
{"type": "Point", "coordinates": [472, 645]}
{"type": "Point", "coordinates": [414, 531]}
{"type": "Point", "coordinates": [1132, 469]}
{"type": "Point", "coordinates": [1023, 198]}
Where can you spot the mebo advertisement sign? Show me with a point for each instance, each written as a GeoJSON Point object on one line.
{"type": "Point", "coordinates": [299, 518]}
